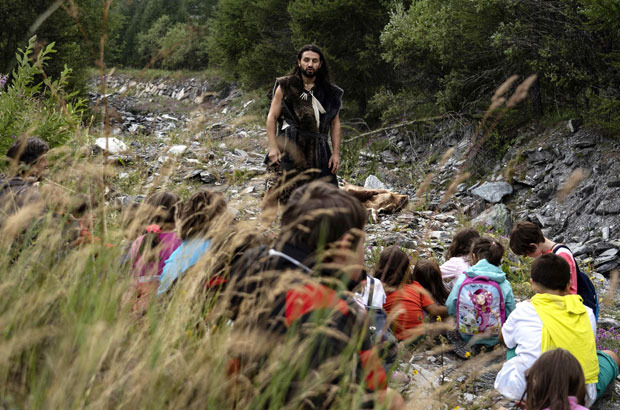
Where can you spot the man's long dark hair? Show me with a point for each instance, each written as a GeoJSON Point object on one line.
{"type": "Point", "coordinates": [323, 76]}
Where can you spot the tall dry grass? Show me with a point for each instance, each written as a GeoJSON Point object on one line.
{"type": "Point", "coordinates": [70, 337]}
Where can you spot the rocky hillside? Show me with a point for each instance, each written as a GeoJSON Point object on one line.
{"type": "Point", "coordinates": [564, 177]}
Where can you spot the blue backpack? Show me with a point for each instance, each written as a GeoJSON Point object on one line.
{"type": "Point", "coordinates": [585, 287]}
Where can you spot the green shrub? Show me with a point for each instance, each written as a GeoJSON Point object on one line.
{"type": "Point", "coordinates": [38, 107]}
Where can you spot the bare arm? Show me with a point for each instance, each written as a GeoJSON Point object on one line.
{"type": "Point", "coordinates": [501, 337]}
{"type": "Point", "coordinates": [272, 120]}
{"type": "Point", "coordinates": [437, 310]}
{"type": "Point", "coordinates": [334, 161]}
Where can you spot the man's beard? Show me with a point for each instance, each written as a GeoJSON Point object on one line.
{"type": "Point", "coordinates": [311, 74]}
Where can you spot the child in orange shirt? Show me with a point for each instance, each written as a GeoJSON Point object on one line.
{"type": "Point", "coordinates": [406, 299]}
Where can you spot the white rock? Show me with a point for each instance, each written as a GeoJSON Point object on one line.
{"type": "Point", "coordinates": [177, 149]}
{"type": "Point", "coordinates": [372, 182]}
{"type": "Point", "coordinates": [469, 397]}
{"type": "Point", "coordinates": [113, 145]}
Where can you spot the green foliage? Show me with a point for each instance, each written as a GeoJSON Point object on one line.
{"type": "Point", "coordinates": [184, 47]}
{"type": "Point", "coordinates": [149, 41]}
{"type": "Point", "coordinates": [172, 46]}
{"type": "Point", "coordinates": [252, 40]}
{"type": "Point", "coordinates": [42, 108]}
{"type": "Point", "coordinates": [403, 105]}
{"type": "Point", "coordinates": [348, 33]}
{"type": "Point", "coordinates": [458, 51]}
{"type": "Point", "coordinates": [75, 27]}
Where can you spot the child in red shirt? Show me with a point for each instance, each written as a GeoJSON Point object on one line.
{"type": "Point", "coordinates": [406, 299]}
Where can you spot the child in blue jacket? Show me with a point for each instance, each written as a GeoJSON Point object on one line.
{"type": "Point", "coordinates": [486, 257]}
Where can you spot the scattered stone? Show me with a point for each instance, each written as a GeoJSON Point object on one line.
{"type": "Point", "coordinates": [614, 183]}
{"type": "Point", "coordinates": [493, 191]}
{"type": "Point", "coordinates": [207, 177]}
{"type": "Point", "coordinates": [497, 217]}
{"type": "Point", "coordinates": [240, 153]}
{"type": "Point", "coordinates": [469, 397]}
{"type": "Point", "coordinates": [111, 144]}
{"type": "Point", "coordinates": [584, 143]}
{"type": "Point", "coordinates": [580, 250]}
{"type": "Point", "coordinates": [372, 182]}
{"type": "Point", "coordinates": [609, 253]}
{"type": "Point", "coordinates": [177, 149]}
{"type": "Point", "coordinates": [608, 267]}
{"type": "Point", "coordinates": [169, 117]}
{"type": "Point", "coordinates": [608, 207]}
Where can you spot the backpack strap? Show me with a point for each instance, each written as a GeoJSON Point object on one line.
{"type": "Point", "coordinates": [371, 293]}
{"type": "Point", "coordinates": [273, 252]}
{"type": "Point", "coordinates": [559, 246]}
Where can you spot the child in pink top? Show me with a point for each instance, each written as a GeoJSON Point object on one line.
{"type": "Point", "coordinates": [457, 256]}
{"type": "Point", "coordinates": [151, 250]}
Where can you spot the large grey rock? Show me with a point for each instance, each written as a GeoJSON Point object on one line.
{"type": "Point", "coordinates": [537, 156]}
{"type": "Point", "coordinates": [608, 207]}
{"type": "Point", "coordinates": [497, 217]}
{"type": "Point", "coordinates": [372, 182]}
{"type": "Point", "coordinates": [608, 267]}
{"type": "Point", "coordinates": [609, 253]}
{"type": "Point", "coordinates": [614, 183]}
{"type": "Point", "coordinates": [493, 191]}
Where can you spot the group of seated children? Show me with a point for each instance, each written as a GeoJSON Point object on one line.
{"type": "Point", "coordinates": [176, 237]}
{"type": "Point", "coordinates": [555, 317]}
{"type": "Point", "coordinates": [483, 304]}
{"type": "Point", "coordinates": [480, 297]}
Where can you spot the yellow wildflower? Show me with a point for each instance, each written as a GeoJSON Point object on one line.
{"type": "Point", "coordinates": [415, 371]}
{"type": "Point", "coordinates": [467, 354]}
{"type": "Point", "coordinates": [438, 318]}
{"type": "Point", "coordinates": [457, 408]}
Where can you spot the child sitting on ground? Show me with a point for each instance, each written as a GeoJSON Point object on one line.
{"type": "Point", "coordinates": [196, 218]}
{"type": "Point", "coordinates": [457, 256]}
{"type": "Point", "coordinates": [427, 273]}
{"type": "Point", "coordinates": [552, 319]}
{"type": "Point", "coordinates": [481, 298]}
{"type": "Point", "coordinates": [406, 298]}
{"type": "Point", "coordinates": [372, 293]}
{"type": "Point", "coordinates": [555, 382]}
{"type": "Point", "coordinates": [527, 239]}
{"type": "Point", "coordinates": [150, 251]}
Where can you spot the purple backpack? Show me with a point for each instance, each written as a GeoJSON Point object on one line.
{"type": "Point", "coordinates": [480, 307]}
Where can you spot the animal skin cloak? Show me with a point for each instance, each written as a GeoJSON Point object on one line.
{"type": "Point", "coordinates": [305, 144]}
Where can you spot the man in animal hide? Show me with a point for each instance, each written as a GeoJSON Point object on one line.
{"type": "Point", "coordinates": [304, 111]}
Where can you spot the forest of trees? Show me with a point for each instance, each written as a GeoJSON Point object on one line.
{"type": "Point", "coordinates": [393, 58]}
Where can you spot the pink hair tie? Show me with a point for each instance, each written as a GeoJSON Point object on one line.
{"type": "Point", "coordinates": [153, 229]}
